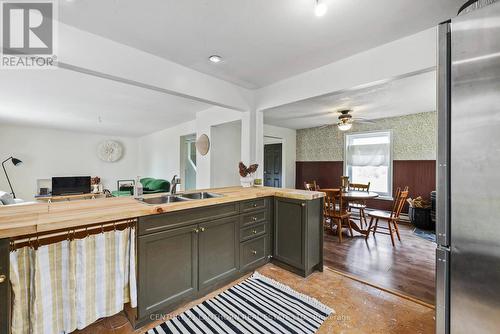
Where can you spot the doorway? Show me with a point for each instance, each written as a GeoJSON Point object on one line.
{"type": "Point", "coordinates": [273, 165]}
{"type": "Point", "coordinates": [188, 161]}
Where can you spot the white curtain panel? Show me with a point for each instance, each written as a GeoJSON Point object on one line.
{"type": "Point", "coordinates": [369, 155]}
{"type": "Point", "coordinates": [70, 284]}
{"type": "Point", "coordinates": [21, 271]}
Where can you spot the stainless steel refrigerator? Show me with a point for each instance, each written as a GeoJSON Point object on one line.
{"type": "Point", "coordinates": [468, 194]}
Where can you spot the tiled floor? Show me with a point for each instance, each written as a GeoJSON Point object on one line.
{"type": "Point", "coordinates": [359, 308]}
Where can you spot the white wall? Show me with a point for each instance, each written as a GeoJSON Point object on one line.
{"type": "Point", "coordinates": [205, 120]}
{"type": "Point", "coordinates": [276, 134]}
{"type": "Point", "coordinates": [160, 151]}
{"type": "Point", "coordinates": [47, 152]}
{"type": "Point", "coordinates": [226, 154]}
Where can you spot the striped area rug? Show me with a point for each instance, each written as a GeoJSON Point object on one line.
{"type": "Point", "coordinates": [256, 305]}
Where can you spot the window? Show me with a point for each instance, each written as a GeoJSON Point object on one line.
{"type": "Point", "coordinates": [368, 159]}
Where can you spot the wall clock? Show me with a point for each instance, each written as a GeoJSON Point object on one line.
{"type": "Point", "coordinates": [110, 151]}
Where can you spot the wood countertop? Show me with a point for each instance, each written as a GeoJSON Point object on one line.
{"type": "Point", "coordinates": [19, 220]}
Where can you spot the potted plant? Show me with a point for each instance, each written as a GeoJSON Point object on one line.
{"type": "Point", "coordinates": [247, 174]}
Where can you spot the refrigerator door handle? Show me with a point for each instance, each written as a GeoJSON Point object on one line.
{"type": "Point", "coordinates": [443, 140]}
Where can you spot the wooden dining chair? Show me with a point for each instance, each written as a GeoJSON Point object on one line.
{"type": "Point", "coordinates": [336, 211]}
{"type": "Point", "coordinates": [311, 186]}
{"type": "Point", "coordinates": [392, 218]}
{"type": "Point", "coordinates": [360, 204]}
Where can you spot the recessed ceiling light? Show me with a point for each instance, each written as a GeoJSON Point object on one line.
{"type": "Point", "coordinates": [320, 8]}
{"type": "Point", "coordinates": [215, 59]}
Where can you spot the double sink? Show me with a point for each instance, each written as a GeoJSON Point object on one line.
{"type": "Point", "coordinates": [165, 199]}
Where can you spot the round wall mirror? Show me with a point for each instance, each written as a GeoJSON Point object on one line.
{"type": "Point", "coordinates": [203, 144]}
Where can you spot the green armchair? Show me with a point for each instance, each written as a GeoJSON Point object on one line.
{"type": "Point", "coordinates": [150, 186]}
{"type": "Point", "coordinates": [153, 186]}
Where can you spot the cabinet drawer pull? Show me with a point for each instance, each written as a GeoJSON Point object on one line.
{"type": "Point", "coordinates": [302, 204]}
{"type": "Point", "coordinates": [254, 231]}
{"type": "Point", "coordinates": [2, 278]}
{"type": "Point", "coordinates": [196, 230]}
{"type": "Point", "coordinates": [254, 219]}
{"type": "Point", "coordinates": [254, 252]}
{"type": "Point", "coordinates": [202, 229]}
{"type": "Point", "coordinates": [254, 205]}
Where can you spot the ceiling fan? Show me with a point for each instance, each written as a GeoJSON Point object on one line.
{"type": "Point", "coordinates": [346, 120]}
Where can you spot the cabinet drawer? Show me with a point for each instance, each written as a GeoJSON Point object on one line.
{"type": "Point", "coordinates": [253, 231]}
{"type": "Point", "coordinates": [253, 218]}
{"type": "Point", "coordinates": [256, 204]}
{"type": "Point", "coordinates": [253, 251]}
{"type": "Point", "coordinates": [160, 222]}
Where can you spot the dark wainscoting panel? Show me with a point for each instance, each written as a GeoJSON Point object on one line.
{"type": "Point", "coordinates": [326, 173]}
{"type": "Point", "coordinates": [419, 175]}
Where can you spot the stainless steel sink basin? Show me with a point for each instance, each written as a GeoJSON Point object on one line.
{"type": "Point", "coordinates": [163, 199]}
{"type": "Point", "coordinates": [200, 195]}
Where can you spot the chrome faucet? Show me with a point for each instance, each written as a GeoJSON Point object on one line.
{"type": "Point", "coordinates": [173, 184]}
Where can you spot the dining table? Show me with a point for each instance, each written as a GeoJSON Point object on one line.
{"type": "Point", "coordinates": [356, 195]}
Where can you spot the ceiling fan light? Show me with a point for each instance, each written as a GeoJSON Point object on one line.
{"type": "Point", "coordinates": [344, 126]}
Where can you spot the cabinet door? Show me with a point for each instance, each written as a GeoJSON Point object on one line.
{"type": "Point", "coordinates": [168, 269]}
{"type": "Point", "coordinates": [218, 250]}
{"type": "Point", "coordinates": [289, 221]}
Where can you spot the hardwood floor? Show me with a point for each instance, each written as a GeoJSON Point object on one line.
{"type": "Point", "coordinates": [408, 268]}
{"type": "Point", "coordinates": [359, 308]}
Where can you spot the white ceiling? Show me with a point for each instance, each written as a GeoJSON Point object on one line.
{"type": "Point", "coordinates": [65, 99]}
{"type": "Point", "coordinates": [262, 41]}
{"type": "Point", "coordinates": [399, 97]}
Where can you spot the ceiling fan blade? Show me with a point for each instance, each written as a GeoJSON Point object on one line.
{"type": "Point", "coordinates": [323, 113]}
{"type": "Point", "coordinates": [363, 120]}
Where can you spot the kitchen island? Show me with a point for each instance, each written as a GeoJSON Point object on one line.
{"type": "Point", "coordinates": [187, 249]}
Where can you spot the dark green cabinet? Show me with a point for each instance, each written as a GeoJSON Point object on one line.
{"type": "Point", "coordinates": [218, 251]}
{"type": "Point", "coordinates": [178, 264]}
{"type": "Point", "coordinates": [184, 255]}
{"type": "Point", "coordinates": [298, 234]}
{"type": "Point", "coordinates": [168, 269]}
{"type": "Point", "coordinates": [289, 217]}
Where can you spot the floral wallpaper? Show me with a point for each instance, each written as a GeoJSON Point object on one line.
{"type": "Point", "coordinates": [414, 138]}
